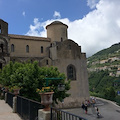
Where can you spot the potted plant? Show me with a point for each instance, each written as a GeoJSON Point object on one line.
{"type": "Point", "coordinates": [6, 89]}
{"type": "Point", "coordinates": [16, 90]}
{"type": "Point", "coordinates": [46, 94]}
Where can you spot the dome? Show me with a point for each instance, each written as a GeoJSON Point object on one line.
{"type": "Point", "coordinates": [56, 23]}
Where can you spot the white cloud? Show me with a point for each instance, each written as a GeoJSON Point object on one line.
{"type": "Point", "coordinates": [23, 13]}
{"type": "Point", "coordinates": [57, 14]}
{"type": "Point", "coordinates": [99, 29]}
{"type": "Point", "coordinates": [38, 29]}
{"type": "Point", "coordinates": [92, 3]}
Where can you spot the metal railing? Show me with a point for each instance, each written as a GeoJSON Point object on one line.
{"type": "Point", "coordinates": [58, 114]}
{"type": "Point", "coordinates": [10, 99]}
{"type": "Point", "coordinates": [28, 109]}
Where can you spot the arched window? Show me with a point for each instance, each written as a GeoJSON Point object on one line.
{"type": "Point", "coordinates": [41, 49]}
{"type": "Point", "coordinates": [27, 48]}
{"type": "Point", "coordinates": [12, 48]}
{"type": "Point", "coordinates": [71, 72]}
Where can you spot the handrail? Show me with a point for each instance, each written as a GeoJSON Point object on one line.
{"type": "Point", "coordinates": [53, 108]}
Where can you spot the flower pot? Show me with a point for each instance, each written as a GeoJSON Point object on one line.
{"type": "Point", "coordinates": [6, 89]}
{"type": "Point", "coordinates": [16, 92]}
{"type": "Point", "coordinates": [46, 100]}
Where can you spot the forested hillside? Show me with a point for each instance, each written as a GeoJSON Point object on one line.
{"type": "Point", "coordinates": [104, 73]}
{"type": "Point", "coordinates": [105, 53]}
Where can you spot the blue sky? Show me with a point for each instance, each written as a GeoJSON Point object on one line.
{"type": "Point", "coordinates": [20, 13]}
{"type": "Point", "coordinates": [93, 24]}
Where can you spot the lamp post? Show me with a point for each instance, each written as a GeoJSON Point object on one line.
{"type": "Point", "coordinates": [61, 87]}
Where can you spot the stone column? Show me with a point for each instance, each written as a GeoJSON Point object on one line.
{"type": "Point", "coordinates": [43, 115]}
{"type": "Point", "coordinates": [14, 104]}
{"type": "Point", "coordinates": [5, 97]}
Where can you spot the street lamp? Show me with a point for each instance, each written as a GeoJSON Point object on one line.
{"type": "Point", "coordinates": [61, 87]}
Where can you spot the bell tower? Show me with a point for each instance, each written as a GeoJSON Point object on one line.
{"type": "Point", "coordinates": [57, 31]}
{"type": "Point", "coordinates": [3, 28]}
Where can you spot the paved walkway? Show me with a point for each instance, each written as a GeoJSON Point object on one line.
{"type": "Point", "coordinates": [6, 112]}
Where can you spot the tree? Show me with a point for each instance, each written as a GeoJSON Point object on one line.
{"type": "Point", "coordinates": [109, 93]}
{"type": "Point", "coordinates": [30, 77]}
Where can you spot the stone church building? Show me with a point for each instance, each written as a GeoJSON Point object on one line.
{"type": "Point", "coordinates": [55, 50]}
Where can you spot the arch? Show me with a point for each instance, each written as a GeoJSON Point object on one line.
{"type": "Point", "coordinates": [27, 48]}
{"type": "Point", "coordinates": [71, 72]}
{"type": "Point", "coordinates": [4, 42]}
{"type": "Point", "coordinates": [12, 48]}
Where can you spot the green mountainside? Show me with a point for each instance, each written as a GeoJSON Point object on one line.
{"type": "Point", "coordinates": [112, 51]}
{"type": "Point", "coordinates": [104, 73]}
{"type": "Point", "coordinates": [108, 57]}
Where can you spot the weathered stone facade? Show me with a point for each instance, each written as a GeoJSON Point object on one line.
{"type": "Point", "coordinates": [4, 44]}
{"type": "Point", "coordinates": [55, 50]}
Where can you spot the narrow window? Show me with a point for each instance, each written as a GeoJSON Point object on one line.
{"type": "Point", "coordinates": [0, 29]}
{"type": "Point", "coordinates": [27, 48]}
{"type": "Point", "coordinates": [71, 72]}
{"type": "Point", "coordinates": [13, 60]}
{"type": "Point", "coordinates": [46, 62]}
{"type": "Point", "coordinates": [61, 39]}
{"type": "Point", "coordinates": [57, 47]}
{"type": "Point", "coordinates": [41, 49]}
{"type": "Point", "coordinates": [69, 47]}
{"type": "Point", "coordinates": [12, 48]}
{"type": "Point", "coordinates": [1, 66]}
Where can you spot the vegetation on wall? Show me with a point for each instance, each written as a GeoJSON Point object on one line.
{"type": "Point", "coordinates": [30, 76]}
